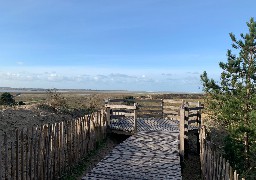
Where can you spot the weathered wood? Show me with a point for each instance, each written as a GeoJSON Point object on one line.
{"type": "Point", "coordinates": [45, 152]}
{"type": "Point", "coordinates": [35, 151]}
{"type": "Point", "coordinates": [174, 108]}
{"type": "Point", "coordinates": [195, 108]}
{"type": "Point", "coordinates": [150, 106]}
{"type": "Point", "coordinates": [22, 153]}
{"type": "Point", "coordinates": [213, 165]}
{"type": "Point", "coordinates": [17, 154]}
{"type": "Point", "coordinates": [172, 101]}
{"type": "Point", "coordinates": [27, 154]}
{"type": "Point", "coordinates": [149, 100]}
{"type": "Point", "coordinates": [6, 156]}
{"type": "Point", "coordinates": [135, 121]}
{"type": "Point", "coordinates": [120, 106]}
{"type": "Point", "coordinates": [12, 162]}
{"type": "Point", "coordinates": [182, 132]}
{"type": "Point", "coordinates": [150, 111]}
{"type": "Point", "coordinates": [108, 115]}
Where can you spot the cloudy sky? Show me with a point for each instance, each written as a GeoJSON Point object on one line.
{"type": "Point", "coordinates": [151, 45]}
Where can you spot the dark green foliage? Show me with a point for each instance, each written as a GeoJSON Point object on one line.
{"type": "Point", "coordinates": [231, 103]}
{"type": "Point", "coordinates": [234, 149]}
{"type": "Point", "coordinates": [21, 103]}
{"type": "Point", "coordinates": [7, 99]}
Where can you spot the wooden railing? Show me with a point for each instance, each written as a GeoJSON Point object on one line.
{"type": "Point", "coordinates": [145, 107]}
{"type": "Point", "coordinates": [190, 119]}
{"type": "Point", "coordinates": [171, 108]}
{"type": "Point", "coordinates": [157, 108]}
{"type": "Point", "coordinates": [47, 151]}
{"type": "Point", "coordinates": [213, 164]}
{"type": "Point", "coordinates": [118, 111]}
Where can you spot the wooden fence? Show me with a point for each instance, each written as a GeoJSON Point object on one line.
{"type": "Point", "coordinates": [213, 165]}
{"type": "Point", "coordinates": [171, 108]}
{"type": "Point", "coordinates": [157, 108]}
{"type": "Point", "coordinates": [45, 152]}
{"type": "Point", "coordinates": [145, 107]}
{"type": "Point", "coordinates": [190, 119]}
{"type": "Point", "coordinates": [120, 111]}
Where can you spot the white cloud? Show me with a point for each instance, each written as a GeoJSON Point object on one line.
{"type": "Point", "coordinates": [96, 78]}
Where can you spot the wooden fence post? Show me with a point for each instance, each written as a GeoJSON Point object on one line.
{"type": "Point", "coordinates": [182, 132]}
{"type": "Point", "coordinates": [162, 105]}
{"type": "Point", "coordinates": [135, 118]}
{"type": "Point", "coordinates": [17, 154]}
{"type": "Point", "coordinates": [199, 112]}
{"type": "Point", "coordinates": [47, 151]}
{"type": "Point", "coordinates": [108, 116]}
{"type": "Point", "coordinates": [103, 123]}
{"type": "Point", "coordinates": [186, 118]}
{"type": "Point", "coordinates": [198, 125]}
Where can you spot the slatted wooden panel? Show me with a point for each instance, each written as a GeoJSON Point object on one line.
{"type": "Point", "coordinates": [145, 108]}
{"type": "Point", "coordinates": [213, 165]}
{"type": "Point", "coordinates": [45, 152]}
{"type": "Point", "coordinates": [171, 108]}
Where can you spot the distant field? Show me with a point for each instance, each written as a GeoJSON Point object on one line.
{"type": "Point", "coordinates": [80, 98]}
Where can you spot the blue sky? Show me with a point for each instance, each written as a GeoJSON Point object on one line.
{"type": "Point", "coordinates": [149, 45]}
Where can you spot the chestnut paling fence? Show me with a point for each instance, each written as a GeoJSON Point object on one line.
{"type": "Point", "coordinates": [45, 152]}
{"type": "Point", "coordinates": [213, 164]}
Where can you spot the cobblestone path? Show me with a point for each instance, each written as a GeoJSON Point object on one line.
{"type": "Point", "coordinates": [152, 153]}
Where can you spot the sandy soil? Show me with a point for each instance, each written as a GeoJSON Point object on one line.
{"type": "Point", "coordinates": [26, 116]}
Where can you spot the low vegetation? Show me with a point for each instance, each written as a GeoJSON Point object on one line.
{"type": "Point", "coordinates": [7, 99]}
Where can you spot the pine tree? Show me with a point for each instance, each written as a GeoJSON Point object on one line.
{"type": "Point", "coordinates": [232, 101]}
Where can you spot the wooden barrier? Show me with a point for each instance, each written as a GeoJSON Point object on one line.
{"type": "Point", "coordinates": [190, 119]}
{"type": "Point", "coordinates": [117, 111]}
{"type": "Point", "coordinates": [171, 108]}
{"type": "Point", "coordinates": [213, 165]}
{"type": "Point", "coordinates": [145, 107]}
{"type": "Point", "coordinates": [48, 151]}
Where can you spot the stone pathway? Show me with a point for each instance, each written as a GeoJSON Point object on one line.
{"type": "Point", "coordinates": [152, 153]}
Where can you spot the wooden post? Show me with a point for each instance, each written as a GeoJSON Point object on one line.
{"type": "Point", "coordinates": [182, 132]}
{"type": "Point", "coordinates": [17, 154]}
{"type": "Point", "coordinates": [186, 116]}
{"type": "Point", "coordinates": [108, 116]}
{"type": "Point", "coordinates": [199, 112]}
{"type": "Point", "coordinates": [162, 105]}
{"type": "Point", "coordinates": [6, 156]}
{"type": "Point", "coordinates": [135, 118]}
{"type": "Point", "coordinates": [198, 125]}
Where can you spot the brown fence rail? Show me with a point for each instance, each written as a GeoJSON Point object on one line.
{"type": "Point", "coordinates": [45, 152]}
{"type": "Point", "coordinates": [213, 165]}
{"type": "Point", "coordinates": [157, 108]}
{"type": "Point", "coordinates": [190, 119]}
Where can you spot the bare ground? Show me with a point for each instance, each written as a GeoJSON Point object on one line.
{"type": "Point", "coordinates": [26, 117]}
